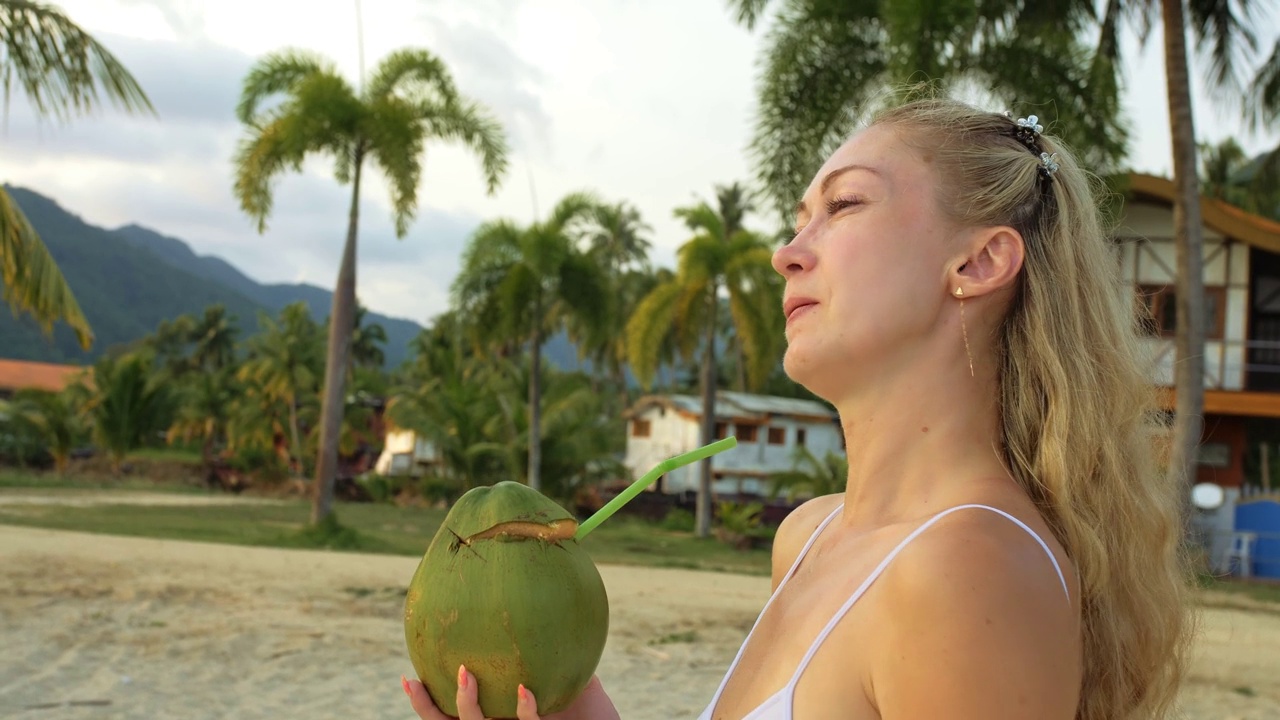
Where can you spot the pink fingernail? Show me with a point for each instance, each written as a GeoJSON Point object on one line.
{"type": "Point", "coordinates": [523, 694]}
{"type": "Point", "coordinates": [462, 677]}
{"type": "Point", "coordinates": [404, 684]}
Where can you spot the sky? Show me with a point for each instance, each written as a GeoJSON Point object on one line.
{"type": "Point", "coordinates": [648, 101]}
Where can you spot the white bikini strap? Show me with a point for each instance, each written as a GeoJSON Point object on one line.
{"type": "Point", "coordinates": [800, 556]}
{"type": "Point", "coordinates": [889, 558]}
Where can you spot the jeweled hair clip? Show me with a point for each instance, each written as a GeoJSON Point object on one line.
{"type": "Point", "coordinates": [1027, 131]}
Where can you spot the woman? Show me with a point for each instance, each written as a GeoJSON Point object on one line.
{"type": "Point", "coordinates": [1005, 546]}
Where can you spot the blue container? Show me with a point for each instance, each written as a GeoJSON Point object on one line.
{"type": "Point", "coordinates": [1262, 517]}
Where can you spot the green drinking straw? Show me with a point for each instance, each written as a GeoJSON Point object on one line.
{"type": "Point", "coordinates": [647, 479]}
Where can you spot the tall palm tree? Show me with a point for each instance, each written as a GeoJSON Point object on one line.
{"type": "Point", "coordinates": [687, 307]}
{"type": "Point", "coordinates": [825, 63]}
{"type": "Point", "coordinates": [62, 70]}
{"type": "Point", "coordinates": [617, 242]}
{"type": "Point", "coordinates": [408, 100]}
{"type": "Point", "coordinates": [522, 283]}
{"type": "Point", "coordinates": [1224, 30]}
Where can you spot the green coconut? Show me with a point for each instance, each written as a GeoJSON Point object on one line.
{"type": "Point", "coordinates": [505, 589]}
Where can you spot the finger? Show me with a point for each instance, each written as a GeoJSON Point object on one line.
{"type": "Point", "coordinates": [420, 699]}
{"type": "Point", "coordinates": [468, 696]}
{"type": "Point", "coordinates": [526, 704]}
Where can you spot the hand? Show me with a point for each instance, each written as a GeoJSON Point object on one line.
{"type": "Point", "coordinates": [593, 704]}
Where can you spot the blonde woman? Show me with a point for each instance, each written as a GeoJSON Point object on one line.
{"type": "Point", "coordinates": [1005, 548]}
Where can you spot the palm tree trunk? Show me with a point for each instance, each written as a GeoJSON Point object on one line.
{"type": "Point", "coordinates": [295, 437]}
{"type": "Point", "coordinates": [1187, 228]}
{"type": "Point", "coordinates": [703, 526]}
{"type": "Point", "coordinates": [341, 322]}
{"type": "Point", "coordinates": [535, 399]}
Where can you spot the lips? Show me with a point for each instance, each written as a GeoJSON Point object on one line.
{"type": "Point", "coordinates": [792, 306]}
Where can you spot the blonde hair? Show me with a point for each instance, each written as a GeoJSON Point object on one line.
{"type": "Point", "coordinates": [1076, 400]}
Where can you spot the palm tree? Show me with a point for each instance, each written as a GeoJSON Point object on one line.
{"type": "Point", "coordinates": [523, 283]}
{"type": "Point", "coordinates": [1252, 184]}
{"type": "Point", "coordinates": [54, 417]}
{"type": "Point", "coordinates": [283, 368]}
{"type": "Point", "coordinates": [825, 63]}
{"type": "Point", "coordinates": [61, 69]}
{"type": "Point", "coordinates": [206, 400]}
{"type": "Point", "coordinates": [687, 306]}
{"type": "Point", "coordinates": [1224, 30]}
{"type": "Point", "coordinates": [214, 336]}
{"type": "Point", "coordinates": [617, 242]}
{"type": "Point", "coordinates": [409, 99]}
{"type": "Point", "coordinates": [366, 342]}
{"type": "Point", "coordinates": [456, 409]}
{"type": "Point", "coordinates": [128, 404]}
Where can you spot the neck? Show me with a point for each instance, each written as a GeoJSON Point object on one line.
{"type": "Point", "coordinates": [920, 438]}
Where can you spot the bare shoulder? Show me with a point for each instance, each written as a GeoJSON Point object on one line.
{"type": "Point", "coordinates": [974, 610]}
{"type": "Point", "coordinates": [795, 530]}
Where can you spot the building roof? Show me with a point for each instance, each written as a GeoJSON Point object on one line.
{"type": "Point", "coordinates": [1217, 215]}
{"type": "Point", "coordinates": [739, 405]}
{"type": "Point", "coordinates": [23, 374]}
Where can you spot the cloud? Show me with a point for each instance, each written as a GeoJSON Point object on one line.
{"type": "Point", "coordinates": [485, 68]}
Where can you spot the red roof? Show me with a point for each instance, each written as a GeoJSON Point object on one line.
{"type": "Point", "coordinates": [21, 374]}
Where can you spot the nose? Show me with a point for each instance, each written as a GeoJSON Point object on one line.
{"type": "Point", "coordinates": [792, 258]}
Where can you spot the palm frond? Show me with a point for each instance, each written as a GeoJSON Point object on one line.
{"type": "Point", "coordinates": [32, 281]}
{"type": "Point", "coordinates": [584, 290]}
{"type": "Point", "coordinates": [59, 66]}
{"type": "Point", "coordinates": [1224, 33]}
{"type": "Point", "coordinates": [1263, 102]}
{"type": "Point", "coordinates": [320, 114]}
{"type": "Point", "coordinates": [395, 142]}
{"type": "Point", "coordinates": [469, 123]}
{"type": "Point", "coordinates": [646, 329]}
{"type": "Point", "coordinates": [702, 218]}
{"type": "Point", "coordinates": [576, 207]}
{"type": "Point", "coordinates": [416, 75]}
{"type": "Point", "coordinates": [817, 70]}
{"type": "Point", "coordinates": [747, 12]}
{"type": "Point", "coordinates": [278, 74]}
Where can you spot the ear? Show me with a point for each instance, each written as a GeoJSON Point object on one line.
{"type": "Point", "coordinates": [991, 261]}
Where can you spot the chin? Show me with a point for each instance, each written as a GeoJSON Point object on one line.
{"type": "Point", "coordinates": [803, 370]}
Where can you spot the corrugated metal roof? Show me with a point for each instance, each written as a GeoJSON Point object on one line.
{"type": "Point", "coordinates": [736, 404]}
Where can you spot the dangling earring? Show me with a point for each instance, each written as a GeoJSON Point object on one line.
{"type": "Point", "coordinates": [965, 331]}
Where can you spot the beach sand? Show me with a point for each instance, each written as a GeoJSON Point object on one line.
{"type": "Point", "coordinates": [106, 627]}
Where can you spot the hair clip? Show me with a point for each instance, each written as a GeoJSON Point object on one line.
{"type": "Point", "coordinates": [1048, 164]}
{"type": "Point", "coordinates": [1027, 131]}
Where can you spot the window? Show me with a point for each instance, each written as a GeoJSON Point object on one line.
{"type": "Point", "coordinates": [748, 433]}
{"type": "Point", "coordinates": [800, 436]}
{"type": "Point", "coordinates": [722, 430]}
{"type": "Point", "coordinates": [640, 428]}
{"type": "Point", "coordinates": [1214, 455]}
{"type": "Point", "coordinates": [777, 436]}
{"type": "Point", "coordinates": [1161, 302]}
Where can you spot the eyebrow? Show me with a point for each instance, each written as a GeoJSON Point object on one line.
{"type": "Point", "coordinates": [831, 177]}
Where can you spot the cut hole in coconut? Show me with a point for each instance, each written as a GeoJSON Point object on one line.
{"type": "Point", "coordinates": [554, 531]}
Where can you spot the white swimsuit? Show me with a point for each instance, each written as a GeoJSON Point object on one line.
{"type": "Point", "coordinates": [778, 705]}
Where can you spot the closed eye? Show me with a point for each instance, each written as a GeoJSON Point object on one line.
{"type": "Point", "coordinates": [835, 205]}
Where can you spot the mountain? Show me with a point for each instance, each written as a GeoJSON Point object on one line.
{"type": "Point", "coordinates": [130, 279]}
{"type": "Point", "coordinates": [273, 297]}
{"type": "Point", "coordinates": [124, 291]}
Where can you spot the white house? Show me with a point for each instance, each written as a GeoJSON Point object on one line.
{"type": "Point", "coordinates": [768, 430]}
{"type": "Point", "coordinates": [404, 452]}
